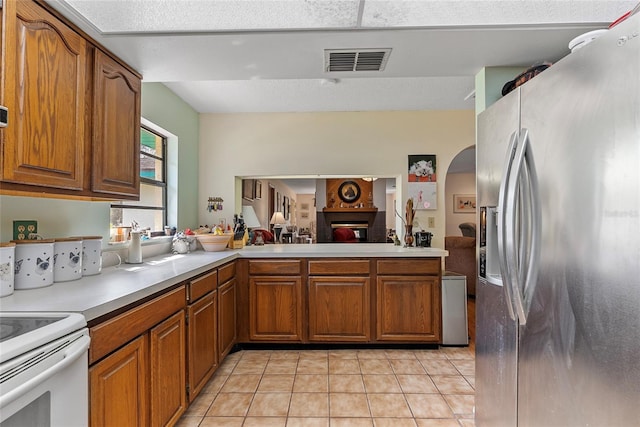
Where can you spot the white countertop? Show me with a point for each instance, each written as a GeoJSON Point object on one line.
{"type": "Point", "coordinates": [116, 287]}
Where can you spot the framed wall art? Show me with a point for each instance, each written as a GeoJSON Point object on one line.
{"type": "Point", "coordinates": [258, 190]}
{"type": "Point", "coordinates": [464, 203]}
{"type": "Point", "coordinates": [422, 177]}
{"type": "Point", "coordinates": [248, 189]}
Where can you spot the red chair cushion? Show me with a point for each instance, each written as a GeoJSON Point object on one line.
{"type": "Point", "coordinates": [345, 235]}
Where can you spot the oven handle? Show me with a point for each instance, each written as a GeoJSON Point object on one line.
{"type": "Point", "coordinates": [71, 354]}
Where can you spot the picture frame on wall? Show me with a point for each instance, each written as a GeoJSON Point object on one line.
{"type": "Point", "coordinates": [464, 203]}
{"type": "Point", "coordinates": [248, 189]}
{"type": "Point", "coordinates": [258, 190]}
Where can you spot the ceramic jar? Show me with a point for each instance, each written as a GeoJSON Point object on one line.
{"type": "Point", "coordinates": [33, 263]}
{"type": "Point", "coordinates": [7, 267]}
{"type": "Point", "coordinates": [67, 259]}
{"type": "Point", "coordinates": [91, 255]}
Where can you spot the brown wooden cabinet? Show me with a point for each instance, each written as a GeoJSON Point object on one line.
{"type": "Point", "coordinates": [227, 315]}
{"type": "Point", "coordinates": [168, 370]}
{"type": "Point", "coordinates": [137, 364]}
{"type": "Point", "coordinates": [339, 300]}
{"type": "Point", "coordinates": [202, 327]}
{"type": "Point", "coordinates": [74, 111]}
{"type": "Point", "coordinates": [119, 387]}
{"type": "Point", "coordinates": [115, 161]}
{"type": "Point", "coordinates": [275, 300]}
{"type": "Point", "coordinates": [408, 300]}
{"type": "Point", "coordinates": [46, 82]}
{"type": "Point", "coordinates": [275, 311]}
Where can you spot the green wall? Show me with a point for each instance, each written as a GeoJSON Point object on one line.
{"type": "Point", "coordinates": [165, 109]}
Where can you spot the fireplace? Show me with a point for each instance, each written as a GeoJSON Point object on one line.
{"type": "Point", "coordinates": [360, 228]}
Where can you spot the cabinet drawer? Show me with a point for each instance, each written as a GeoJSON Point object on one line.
{"type": "Point", "coordinates": [113, 333]}
{"type": "Point", "coordinates": [226, 272]}
{"type": "Point", "coordinates": [202, 285]}
{"type": "Point", "coordinates": [338, 267]}
{"type": "Point", "coordinates": [409, 266]}
{"type": "Point", "coordinates": [280, 267]}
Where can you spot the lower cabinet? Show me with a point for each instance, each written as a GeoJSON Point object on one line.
{"type": "Point", "coordinates": [119, 387]}
{"type": "Point", "coordinates": [168, 370]}
{"type": "Point", "coordinates": [227, 317]}
{"type": "Point", "coordinates": [202, 342]}
{"type": "Point", "coordinates": [339, 309]}
{"type": "Point", "coordinates": [275, 311]}
{"type": "Point", "coordinates": [144, 382]}
{"type": "Point", "coordinates": [408, 301]}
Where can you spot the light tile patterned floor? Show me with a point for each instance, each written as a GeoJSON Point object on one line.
{"type": "Point", "coordinates": [374, 388]}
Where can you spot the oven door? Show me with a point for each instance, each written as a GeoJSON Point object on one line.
{"type": "Point", "coordinates": [47, 386]}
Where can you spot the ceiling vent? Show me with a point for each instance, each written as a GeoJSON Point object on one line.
{"type": "Point", "coordinates": [355, 60]}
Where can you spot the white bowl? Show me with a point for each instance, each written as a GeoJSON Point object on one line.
{"type": "Point", "coordinates": [213, 242]}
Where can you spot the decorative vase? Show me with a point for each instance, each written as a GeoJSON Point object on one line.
{"type": "Point", "coordinates": [408, 236]}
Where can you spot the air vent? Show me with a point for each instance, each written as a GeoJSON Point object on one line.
{"type": "Point", "coordinates": [356, 60]}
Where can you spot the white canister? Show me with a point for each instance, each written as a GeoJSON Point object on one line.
{"type": "Point", "coordinates": [67, 259]}
{"type": "Point", "coordinates": [33, 264]}
{"type": "Point", "coordinates": [7, 266]}
{"type": "Point", "coordinates": [91, 255]}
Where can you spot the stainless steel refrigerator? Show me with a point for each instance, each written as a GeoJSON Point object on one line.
{"type": "Point", "coordinates": [558, 298]}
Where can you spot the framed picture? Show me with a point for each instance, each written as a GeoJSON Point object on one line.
{"type": "Point", "coordinates": [304, 215]}
{"type": "Point", "coordinates": [422, 168]}
{"type": "Point", "coordinates": [258, 194]}
{"type": "Point", "coordinates": [304, 206]}
{"type": "Point", "coordinates": [248, 189]}
{"type": "Point", "coordinates": [285, 207]}
{"type": "Point", "coordinates": [464, 203]}
{"type": "Point", "coordinates": [349, 191]}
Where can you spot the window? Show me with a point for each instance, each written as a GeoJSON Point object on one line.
{"type": "Point", "coordinates": [150, 212]}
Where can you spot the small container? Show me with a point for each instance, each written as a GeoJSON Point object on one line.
{"type": "Point", "coordinates": [91, 255]}
{"type": "Point", "coordinates": [7, 266]}
{"type": "Point", "coordinates": [33, 263]}
{"type": "Point", "coordinates": [135, 248]}
{"type": "Point", "coordinates": [67, 259]}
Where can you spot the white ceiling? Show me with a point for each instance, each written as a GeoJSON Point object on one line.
{"type": "Point", "coordinates": [243, 56]}
{"type": "Point", "coordinates": [228, 56]}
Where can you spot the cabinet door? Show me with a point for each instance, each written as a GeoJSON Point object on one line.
{"type": "Point", "coordinates": [227, 317]}
{"type": "Point", "coordinates": [202, 342]}
{"type": "Point", "coordinates": [168, 398]}
{"type": "Point", "coordinates": [118, 387]}
{"type": "Point", "coordinates": [408, 308]}
{"type": "Point", "coordinates": [45, 72]}
{"type": "Point", "coordinates": [275, 311]}
{"type": "Point", "coordinates": [339, 309]}
{"type": "Point", "coordinates": [116, 124]}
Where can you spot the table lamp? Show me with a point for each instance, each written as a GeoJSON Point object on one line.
{"type": "Point", "coordinates": [277, 220]}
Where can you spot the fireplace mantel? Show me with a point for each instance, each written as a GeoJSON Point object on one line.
{"type": "Point", "coordinates": [350, 210]}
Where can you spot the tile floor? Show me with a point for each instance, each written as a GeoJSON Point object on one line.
{"type": "Point", "coordinates": [354, 388]}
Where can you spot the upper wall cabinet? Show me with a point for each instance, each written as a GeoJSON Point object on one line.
{"type": "Point", "coordinates": [45, 89]}
{"type": "Point", "coordinates": [116, 128]}
{"type": "Point", "coordinates": [74, 112]}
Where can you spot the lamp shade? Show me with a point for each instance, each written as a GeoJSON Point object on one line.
{"type": "Point", "coordinates": [250, 217]}
{"type": "Point", "coordinates": [277, 219]}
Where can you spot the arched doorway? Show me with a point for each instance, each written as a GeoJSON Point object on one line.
{"type": "Point", "coordinates": [460, 181]}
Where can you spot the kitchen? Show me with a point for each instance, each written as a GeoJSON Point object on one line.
{"type": "Point", "coordinates": [283, 139]}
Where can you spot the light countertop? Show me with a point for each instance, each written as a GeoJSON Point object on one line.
{"type": "Point", "coordinates": [116, 287]}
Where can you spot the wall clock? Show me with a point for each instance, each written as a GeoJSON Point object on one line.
{"type": "Point", "coordinates": [349, 191]}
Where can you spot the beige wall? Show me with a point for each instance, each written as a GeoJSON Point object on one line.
{"type": "Point", "coordinates": [458, 183]}
{"type": "Point", "coordinates": [335, 144]}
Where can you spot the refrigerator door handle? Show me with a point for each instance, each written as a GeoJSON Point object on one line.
{"type": "Point", "coordinates": [502, 211]}
{"type": "Point", "coordinates": [522, 226]}
{"type": "Point", "coordinates": [531, 228]}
